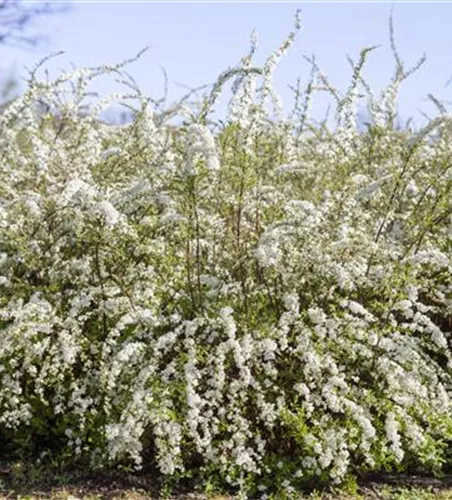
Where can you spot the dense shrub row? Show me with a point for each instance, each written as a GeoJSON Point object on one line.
{"type": "Point", "coordinates": [263, 300]}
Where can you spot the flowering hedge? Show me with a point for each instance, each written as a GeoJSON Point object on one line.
{"type": "Point", "coordinates": [262, 300]}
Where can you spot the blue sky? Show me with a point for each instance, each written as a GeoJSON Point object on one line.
{"type": "Point", "coordinates": [196, 41]}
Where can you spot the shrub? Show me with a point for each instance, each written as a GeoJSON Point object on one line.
{"type": "Point", "coordinates": [261, 299]}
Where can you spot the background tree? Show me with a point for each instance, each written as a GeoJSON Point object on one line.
{"type": "Point", "coordinates": [17, 23]}
{"type": "Point", "coordinates": [17, 18]}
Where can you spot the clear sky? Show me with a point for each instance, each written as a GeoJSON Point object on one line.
{"type": "Point", "coordinates": [196, 41]}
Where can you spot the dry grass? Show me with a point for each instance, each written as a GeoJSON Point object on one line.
{"type": "Point", "coordinates": [385, 493]}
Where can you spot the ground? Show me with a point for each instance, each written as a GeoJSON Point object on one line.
{"type": "Point", "coordinates": [130, 487]}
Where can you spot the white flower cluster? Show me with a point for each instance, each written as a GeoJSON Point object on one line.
{"type": "Point", "coordinates": [171, 295]}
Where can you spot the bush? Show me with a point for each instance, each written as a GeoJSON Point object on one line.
{"type": "Point", "coordinates": [262, 299]}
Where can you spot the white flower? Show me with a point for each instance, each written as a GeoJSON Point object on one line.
{"type": "Point", "coordinates": [110, 213]}
{"type": "Point", "coordinates": [200, 143]}
{"type": "Point", "coordinates": [392, 428]}
{"type": "Point", "coordinates": [113, 151]}
{"type": "Point", "coordinates": [291, 302]}
{"type": "Point", "coordinates": [77, 187]}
